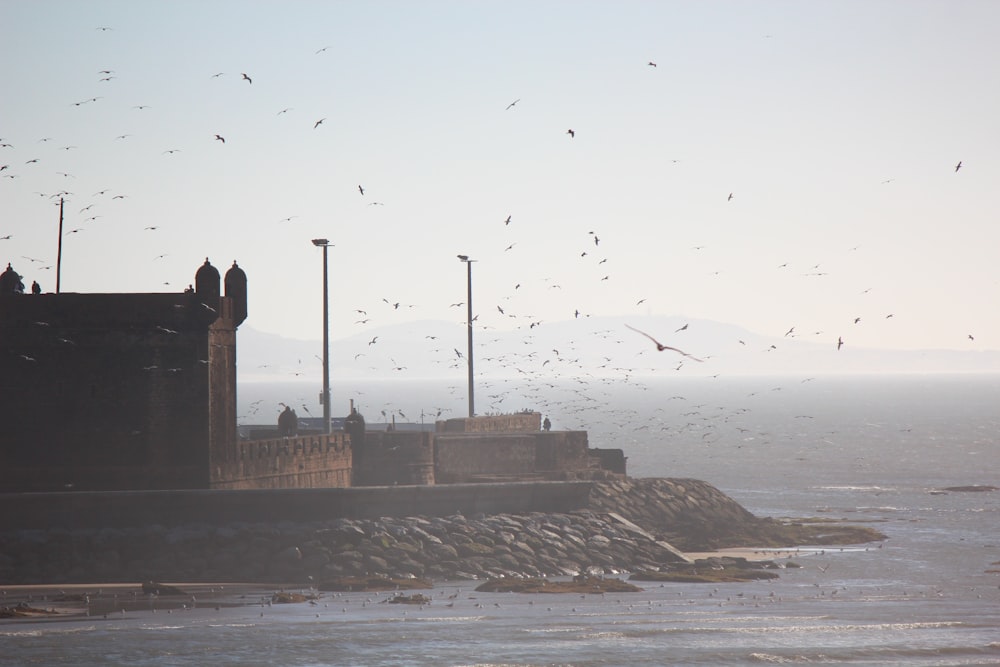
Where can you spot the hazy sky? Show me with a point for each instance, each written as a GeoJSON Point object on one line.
{"type": "Point", "coordinates": [836, 128]}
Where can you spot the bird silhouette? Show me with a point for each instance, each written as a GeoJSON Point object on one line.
{"type": "Point", "coordinates": [361, 190]}
{"type": "Point", "coordinates": [320, 122]}
{"type": "Point", "coordinates": [246, 78]}
{"type": "Point", "coordinates": [219, 137]}
{"type": "Point", "coordinates": [571, 133]}
{"type": "Point", "coordinates": [660, 347]}
{"type": "Point", "coordinates": [513, 103]}
{"type": "Point", "coordinates": [840, 342]}
{"type": "Point", "coordinates": [958, 166]}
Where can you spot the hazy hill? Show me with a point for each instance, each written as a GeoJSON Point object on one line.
{"type": "Point", "coordinates": [584, 347]}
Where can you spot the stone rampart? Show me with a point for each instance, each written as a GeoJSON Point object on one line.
{"type": "Point", "coordinates": [467, 457]}
{"type": "Point", "coordinates": [394, 457]}
{"type": "Point", "coordinates": [440, 532]}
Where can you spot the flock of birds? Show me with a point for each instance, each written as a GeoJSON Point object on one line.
{"type": "Point", "coordinates": [534, 370]}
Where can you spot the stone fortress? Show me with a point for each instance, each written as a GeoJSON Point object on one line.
{"type": "Point", "coordinates": [121, 461]}
{"type": "Point", "coordinates": [114, 392]}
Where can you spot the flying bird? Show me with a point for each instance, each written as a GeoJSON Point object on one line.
{"type": "Point", "coordinates": [958, 166]}
{"type": "Point", "coordinates": [840, 342]}
{"type": "Point", "coordinates": [513, 103]}
{"type": "Point", "coordinates": [507, 221]}
{"type": "Point", "coordinates": [219, 137]}
{"type": "Point", "coordinates": [571, 133]}
{"type": "Point", "coordinates": [651, 64]}
{"type": "Point", "coordinates": [246, 78]}
{"type": "Point", "coordinates": [318, 123]}
{"type": "Point", "coordinates": [660, 347]}
{"type": "Point", "coordinates": [361, 190]}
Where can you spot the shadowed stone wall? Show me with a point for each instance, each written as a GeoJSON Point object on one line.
{"type": "Point", "coordinates": [118, 391]}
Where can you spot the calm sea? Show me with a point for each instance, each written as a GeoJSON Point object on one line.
{"type": "Point", "coordinates": [864, 449]}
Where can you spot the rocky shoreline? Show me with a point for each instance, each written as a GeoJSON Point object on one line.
{"type": "Point", "coordinates": [630, 525]}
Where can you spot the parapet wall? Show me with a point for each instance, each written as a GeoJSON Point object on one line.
{"type": "Point", "coordinates": [465, 457]}
{"type": "Point", "coordinates": [309, 461]}
{"type": "Point", "coordinates": [122, 509]}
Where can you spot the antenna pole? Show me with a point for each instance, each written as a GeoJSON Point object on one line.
{"type": "Point", "coordinates": [59, 255]}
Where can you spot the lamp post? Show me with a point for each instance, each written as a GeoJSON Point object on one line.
{"type": "Point", "coordinates": [325, 398]}
{"type": "Point", "coordinates": [468, 300]}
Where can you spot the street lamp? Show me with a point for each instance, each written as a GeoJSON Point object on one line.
{"type": "Point", "coordinates": [325, 398]}
{"type": "Point", "coordinates": [468, 300]}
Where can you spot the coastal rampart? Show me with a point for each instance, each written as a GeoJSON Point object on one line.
{"type": "Point", "coordinates": [439, 532]}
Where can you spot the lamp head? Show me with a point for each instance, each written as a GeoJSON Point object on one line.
{"type": "Point", "coordinates": [464, 258]}
{"type": "Point", "coordinates": [320, 242]}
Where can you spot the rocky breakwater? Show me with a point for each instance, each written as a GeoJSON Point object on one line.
{"type": "Point", "coordinates": [623, 530]}
{"type": "Point", "coordinates": [693, 515]}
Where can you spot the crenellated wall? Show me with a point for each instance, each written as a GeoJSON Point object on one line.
{"type": "Point", "coordinates": [302, 462]}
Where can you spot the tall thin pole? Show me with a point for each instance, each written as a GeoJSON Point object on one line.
{"type": "Point", "coordinates": [326, 346]}
{"type": "Point", "coordinates": [59, 254]}
{"type": "Point", "coordinates": [472, 401]}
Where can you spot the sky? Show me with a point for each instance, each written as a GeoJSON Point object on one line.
{"type": "Point", "coordinates": [786, 167]}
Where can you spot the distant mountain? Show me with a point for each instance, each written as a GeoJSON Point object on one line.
{"type": "Point", "coordinates": [584, 347]}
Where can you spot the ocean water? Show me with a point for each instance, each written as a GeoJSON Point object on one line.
{"type": "Point", "coordinates": [872, 450]}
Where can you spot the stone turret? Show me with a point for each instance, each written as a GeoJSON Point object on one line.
{"type": "Point", "coordinates": [10, 282]}
{"type": "Point", "coordinates": [236, 289]}
{"type": "Point", "coordinates": [206, 285]}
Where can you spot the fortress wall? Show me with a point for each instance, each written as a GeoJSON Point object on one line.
{"type": "Point", "coordinates": [563, 451]}
{"type": "Point", "coordinates": [110, 390]}
{"type": "Point", "coordinates": [461, 457]}
{"type": "Point", "coordinates": [310, 461]}
{"type": "Point", "coordinates": [394, 457]}
{"type": "Point", "coordinates": [125, 509]}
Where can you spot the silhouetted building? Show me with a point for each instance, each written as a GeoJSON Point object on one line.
{"type": "Point", "coordinates": [118, 391]}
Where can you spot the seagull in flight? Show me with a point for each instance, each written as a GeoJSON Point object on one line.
{"type": "Point", "coordinates": [246, 78]}
{"type": "Point", "coordinates": [219, 137]}
{"type": "Point", "coordinates": [958, 166]}
{"type": "Point", "coordinates": [660, 347]}
{"type": "Point", "coordinates": [571, 133]}
{"type": "Point", "coordinates": [513, 103]}
{"type": "Point", "coordinates": [320, 122]}
{"type": "Point", "coordinates": [361, 190]}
